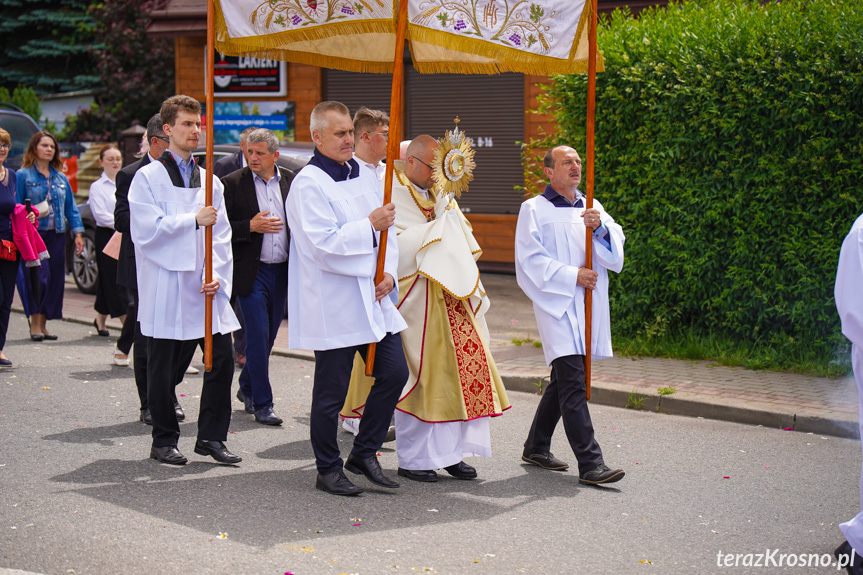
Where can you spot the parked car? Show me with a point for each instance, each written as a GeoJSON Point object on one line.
{"type": "Point", "coordinates": [83, 266]}
{"type": "Point", "coordinates": [292, 155]}
{"type": "Point", "coordinates": [21, 128]}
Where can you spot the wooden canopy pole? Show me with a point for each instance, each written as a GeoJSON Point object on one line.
{"type": "Point", "coordinates": [208, 231]}
{"type": "Point", "coordinates": [588, 244]}
{"type": "Point", "coordinates": [392, 148]}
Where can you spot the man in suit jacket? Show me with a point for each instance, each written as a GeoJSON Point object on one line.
{"type": "Point", "coordinates": [126, 274]}
{"type": "Point", "coordinates": [236, 161]}
{"type": "Point", "coordinates": [255, 201]}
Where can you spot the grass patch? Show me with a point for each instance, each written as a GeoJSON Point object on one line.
{"type": "Point", "coordinates": [725, 351]}
{"type": "Point", "coordinates": [634, 401]}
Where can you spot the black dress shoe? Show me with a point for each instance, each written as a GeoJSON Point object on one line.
{"type": "Point", "coordinates": [181, 415]}
{"type": "Point", "coordinates": [168, 454]}
{"type": "Point", "coordinates": [601, 474]}
{"type": "Point", "coordinates": [461, 470]}
{"type": "Point", "coordinates": [337, 484]}
{"type": "Point", "coordinates": [247, 401]}
{"type": "Point", "coordinates": [49, 337]}
{"type": "Point", "coordinates": [5, 362]}
{"type": "Point", "coordinates": [847, 556]}
{"type": "Point", "coordinates": [146, 416]}
{"type": "Point", "coordinates": [217, 450]}
{"type": "Point", "coordinates": [424, 475]}
{"type": "Point", "coordinates": [267, 417]}
{"type": "Point", "coordinates": [545, 460]}
{"type": "Point", "coordinates": [37, 336]}
{"type": "Point", "coordinates": [101, 332]}
{"type": "Point", "coordinates": [371, 468]}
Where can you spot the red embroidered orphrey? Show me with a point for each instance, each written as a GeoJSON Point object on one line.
{"type": "Point", "coordinates": [473, 372]}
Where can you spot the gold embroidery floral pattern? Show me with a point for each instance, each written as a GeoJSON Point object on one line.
{"type": "Point", "coordinates": [520, 25]}
{"type": "Point", "coordinates": [280, 15]}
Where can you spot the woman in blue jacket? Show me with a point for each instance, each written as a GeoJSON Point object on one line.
{"type": "Point", "coordinates": [41, 179]}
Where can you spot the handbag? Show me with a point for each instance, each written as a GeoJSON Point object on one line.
{"type": "Point", "coordinates": [42, 208]}
{"type": "Point", "coordinates": [8, 251]}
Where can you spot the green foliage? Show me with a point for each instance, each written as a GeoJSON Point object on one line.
{"type": "Point", "coordinates": [666, 390]}
{"type": "Point", "coordinates": [45, 45]}
{"type": "Point", "coordinates": [634, 401]}
{"type": "Point", "coordinates": [25, 98]}
{"type": "Point", "coordinates": [136, 72]}
{"type": "Point", "coordinates": [728, 147]}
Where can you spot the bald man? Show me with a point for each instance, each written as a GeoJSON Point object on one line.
{"type": "Point", "coordinates": [454, 387]}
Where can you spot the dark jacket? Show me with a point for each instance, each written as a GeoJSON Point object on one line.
{"type": "Point", "coordinates": [241, 203]}
{"type": "Point", "coordinates": [227, 165]}
{"type": "Point", "coordinates": [126, 274]}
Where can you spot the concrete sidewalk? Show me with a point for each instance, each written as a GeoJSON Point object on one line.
{"type": "Point", "coordinates": [703, 389]}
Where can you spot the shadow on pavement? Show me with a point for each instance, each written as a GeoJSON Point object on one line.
{"type": "Point", "coordinates": [235, 502]}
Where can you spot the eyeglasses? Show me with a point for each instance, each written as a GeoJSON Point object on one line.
{"type": "Point", "coordinates": [163, 138]}
{"type": "Point", "coordinates": [384, 134]}
{"type": "Point", "coordinates": [421, 162]}
{"type": "Point", "coordinates": [5, 147]}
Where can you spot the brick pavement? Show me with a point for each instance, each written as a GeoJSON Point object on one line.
{"type": "Point", "coordinates": [703, 389]}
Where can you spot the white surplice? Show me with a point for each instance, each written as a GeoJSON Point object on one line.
{"type": "Point", "coordinates": [331, 266]}
{"type": "Point", "coordinates": [849, 302]}
{"type": "Point", "coordinates": [169, 254]}
{"type": "Point", "coordinates": [549, 249]}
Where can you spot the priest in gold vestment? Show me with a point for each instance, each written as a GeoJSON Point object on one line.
{"type": "Point", "coordinates": [454, 387]}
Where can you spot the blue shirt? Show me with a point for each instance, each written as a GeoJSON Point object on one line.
{"type": "Point", "coordinates": [600, 234]}
{"type": "Point", "coordinates": [274, 247]}
{"type": "Point", "coordinates": [185, 167]}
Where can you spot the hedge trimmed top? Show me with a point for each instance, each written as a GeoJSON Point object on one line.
{"type": "Point", "coordinates": [728, 146]}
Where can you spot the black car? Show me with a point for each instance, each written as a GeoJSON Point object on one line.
{"type": "Point", "coordinates": [293, 156]}
{"type": "Point", "coordinates": [21, 128]}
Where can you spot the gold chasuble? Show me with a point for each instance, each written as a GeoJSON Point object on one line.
{"type": "Point", "coordinates": [452, 374]}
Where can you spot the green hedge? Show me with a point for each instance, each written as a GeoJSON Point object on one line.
{"type": "Point", "coordinates": [729, 145]}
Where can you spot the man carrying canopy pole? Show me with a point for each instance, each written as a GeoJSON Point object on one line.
{"type": "Point", "coordinates": [335, 307]}
{"type": "Point", "coordinates": [168, 218]}
{"type": "Point", "coordinates": [550, 268]}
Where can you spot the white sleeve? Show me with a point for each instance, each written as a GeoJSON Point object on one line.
{"type": "Point", "coordinates": [610, 257]}
{"type": "Point", "coordinates": [849, 284]}
{"type": "Point", "coordinates": [223, 260]}
{"type": "Point", "coordinates": [101, 205]}
{"type": "Point", "coordinates": [346, 249]}
{"type": "Point", "coordinates": [549, 283]}
{"type": "Point", "coordinates": [168, 240]}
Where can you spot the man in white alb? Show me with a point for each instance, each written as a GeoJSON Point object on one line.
{"type": "Point", "coordinates": [168, 217]}
{"type": "Point", "coordinates": [335, 215]}
{"type": "Point", "coordinates": [550, 268]}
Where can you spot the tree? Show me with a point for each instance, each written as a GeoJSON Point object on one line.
{"type": "Point", "coordinates": [136, 72]}
{"type": "Point", "coordinates": [46, 45]}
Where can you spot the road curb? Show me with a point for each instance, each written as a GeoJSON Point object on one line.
{"type": "Point", "coordinates": [723, 409]}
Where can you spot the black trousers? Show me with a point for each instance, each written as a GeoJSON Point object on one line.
{"type": "Point", "coordinates": [167, 362]}
{"type": "Point", "coordinates": [132, 330]}
{"type": "Point", "coordinates": [8, 273]}
{"type": "Point", "coordinates": [332, 375]}
{"type": "Point", "coordinates": [127, 334]}
{"type": "Point", "coordinates": [565, 397]}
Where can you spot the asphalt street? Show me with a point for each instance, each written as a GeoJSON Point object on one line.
{"type": "Point", "coordinates": [78, 493]}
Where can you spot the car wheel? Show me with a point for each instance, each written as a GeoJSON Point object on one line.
{"type": "Point", "coordinates": [85, 270]}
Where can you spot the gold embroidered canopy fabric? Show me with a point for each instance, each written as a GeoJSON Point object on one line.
{"type": "Point", "coordinates": [456, 36]}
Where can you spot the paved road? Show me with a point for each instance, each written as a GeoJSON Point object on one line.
{"type": "Point", "coordinates": [78, 495]}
